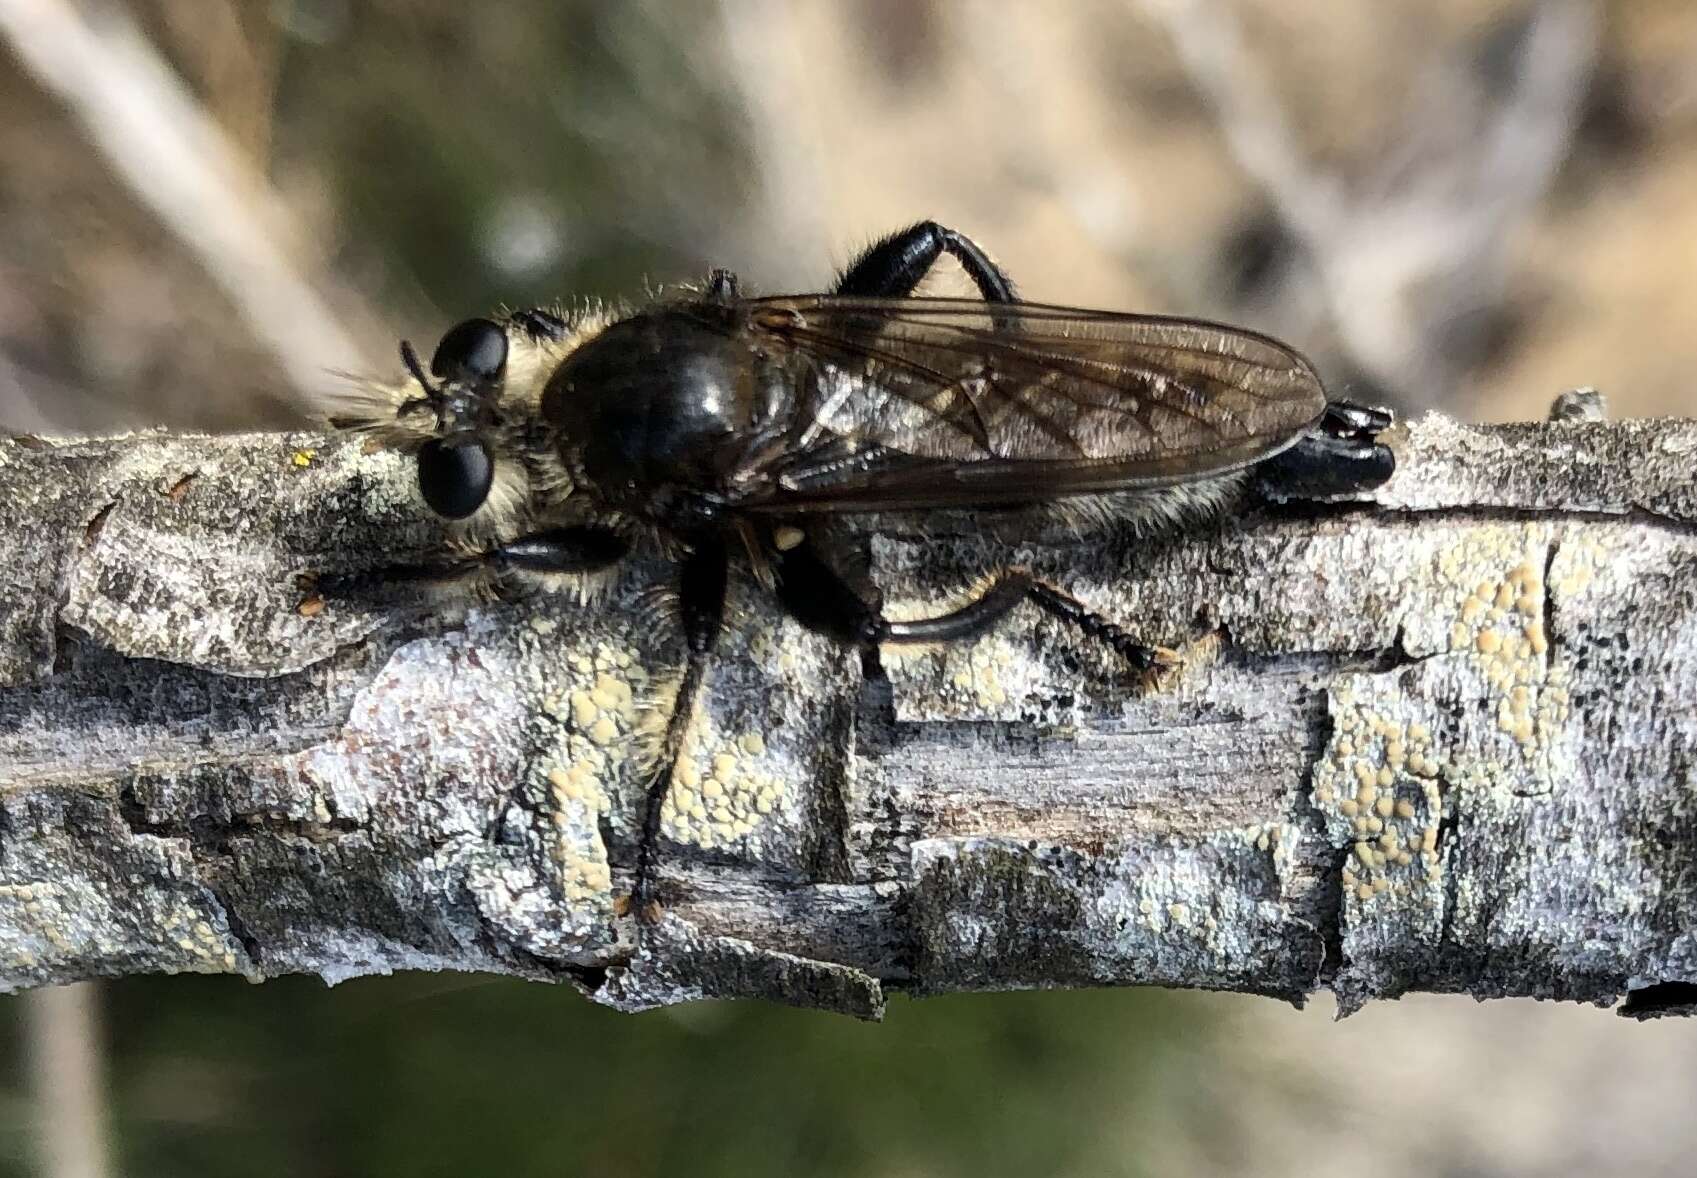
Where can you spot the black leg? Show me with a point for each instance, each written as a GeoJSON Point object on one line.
{"type": "Point", "coordinates": [1068, 608]}
{"type": "Point", "coordinates": [701, 604]}
{"type": "Point", "coordinates": [1009, 588]}
{"type": "Point", "coordinates": [1013, 586]}
{"type": "Point", "coordinates": [561, 550]}
{"type": "Point", "coordinates": [539, 324]}
{"type": "Point", "coordinates": [723, 287]}
{"type": "Point", "coordinates": [894, 266]}
{"type": "Point", "coordinates": [817, 596]}
{"type": "Point", "coordinates": [1344, 418]}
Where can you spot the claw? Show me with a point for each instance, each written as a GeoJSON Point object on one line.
{"type": "Point", "coordinates": [646, 911]}
{"type": "Point", "coordinates": [1346, 419]}
{"type": "Point", "coordinates": [1165, 656]}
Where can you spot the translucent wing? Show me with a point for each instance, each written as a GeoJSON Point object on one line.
{"type": "Point", "coordinates": [933, 402]}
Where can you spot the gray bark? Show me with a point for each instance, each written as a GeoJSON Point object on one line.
{"type": "Point", "coordinates": [1442, 739]}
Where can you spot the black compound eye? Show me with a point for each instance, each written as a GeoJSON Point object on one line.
{"type": "Point", "coordinates": [475, 351]}
{"type": "Point", "coordinates": [454, 475]}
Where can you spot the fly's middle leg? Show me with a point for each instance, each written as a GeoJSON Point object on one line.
{"type": "Point", "coordinates": [701, 605]}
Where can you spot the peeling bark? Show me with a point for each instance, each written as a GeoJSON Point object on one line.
{"type": "Point", "coordinates": [1442, 739]}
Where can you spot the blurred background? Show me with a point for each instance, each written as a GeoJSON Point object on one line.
{"type": "Point", "coordinates": [207, 207]}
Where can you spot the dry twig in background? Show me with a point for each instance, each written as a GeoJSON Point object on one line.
{"type": "Point", "coordinates": [1416, 243]}
{"type": "Point", "coordinates": [182, 166]}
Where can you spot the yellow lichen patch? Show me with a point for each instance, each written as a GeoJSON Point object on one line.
{"type": "Point", "coordinates": [43, 915]}
{"type": "Point", "coordinates": [1277, 839]}
{"type": "Point", "coordinates": [601, 722]}
{"type": "Point", "coordinates": [1499, 671]}
{"type": "Point", "coordinates": [577, 800]}
{"type": "Point", "coordinates": [1374, 783]}
{"type": "Point", "coordinates": [1507, 641]}
{"type": "Point", "coordinates": [722, 789]}
{"type": "Point", "coordinates": [980, 674]}
{"type": "Point", "coordinates": [37, 916]}
{"type": "Point", "coordinates": [1499, 602]}
{"type": "Point", "coordinates": [52, 921]}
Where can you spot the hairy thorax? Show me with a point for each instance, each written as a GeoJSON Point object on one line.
{"type": "Point", "coordinates": [654, 409]}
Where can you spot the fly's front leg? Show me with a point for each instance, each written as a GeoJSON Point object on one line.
{"type": "Point", "coordinates": [894, 267]}
{"type": "Point", "coordinates": [701, 606]}
{"type": "Point", "coordinates": [564, 551]}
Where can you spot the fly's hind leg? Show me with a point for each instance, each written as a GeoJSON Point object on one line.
{"type": "Point", "coordinates": [1008, 589]}
{"type": "Point", "coordinates": [1061, 604]}
{"type": "Point", "coordinates": [817, 596]}
{"type": "Point", "coordinates": [815, 593]}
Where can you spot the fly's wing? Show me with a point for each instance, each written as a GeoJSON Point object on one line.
{"type": "Point", "coordinates": [913, 403]}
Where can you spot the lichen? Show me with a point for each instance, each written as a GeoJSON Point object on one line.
{"type": "Point", "coordinates": [596, 702]}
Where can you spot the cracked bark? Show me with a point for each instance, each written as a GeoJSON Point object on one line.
{"type": "Point", "coordinates": [1442, 739]}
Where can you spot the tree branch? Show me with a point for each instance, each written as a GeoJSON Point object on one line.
{"type": "Point", "coordinates": [1443, 740]}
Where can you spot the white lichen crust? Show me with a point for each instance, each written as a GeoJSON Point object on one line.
{"type": "Point", "coordinates": [1440, 738]}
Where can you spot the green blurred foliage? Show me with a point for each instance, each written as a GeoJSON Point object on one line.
{"type": "Point", "coordinates": [432, 117]}
{"type": "Point", "coordinates": [421, 1075]}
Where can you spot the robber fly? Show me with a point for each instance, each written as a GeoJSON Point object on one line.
{"type": "Point", "coordinates": [742, 430]}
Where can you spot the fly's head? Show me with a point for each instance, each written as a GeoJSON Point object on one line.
{"type": "Point", "coordinates": [485, 461]}
{"type": "Point", "coordinates": [462, 390]}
